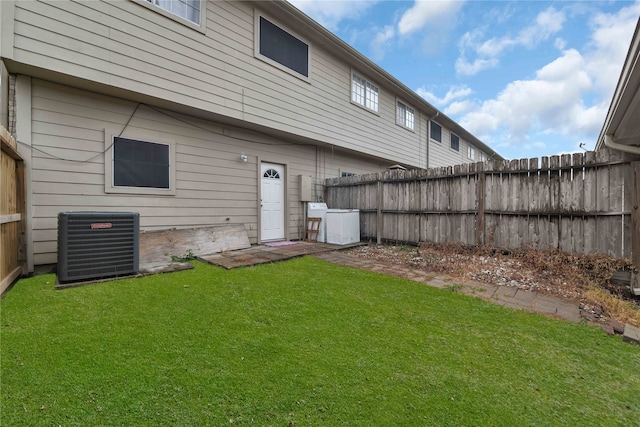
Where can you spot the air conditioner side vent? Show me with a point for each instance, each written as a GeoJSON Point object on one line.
{"type": "Point", "coordinates": [93, 245]}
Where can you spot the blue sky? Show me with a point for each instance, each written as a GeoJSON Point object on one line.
{"type": "Point", "coordinates": [529, 78]}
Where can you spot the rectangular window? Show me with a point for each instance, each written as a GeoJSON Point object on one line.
{"type": "Point", "coordinates": [436, 132]}
{"type": "Point", "coordinates": [455, 142]}
{"type": "Point", "coordinates": [483, 157]}
{"type": "Point", "coordinates": [405, 115]}
{"type": "Point", "coordinates": [282, 47]}
{"type": "Point", "coordinates": [471, 152]}
{"type": "Point", "coordinates": [187, 9]}
{"type": "Point", "coordinates": [140, 164]}
{"type": "Point", "coordinates": [364, 92]}
{"type": "Point", "coordinates": [346, 174]}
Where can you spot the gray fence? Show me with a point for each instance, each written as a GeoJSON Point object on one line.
{"type": "Point", "coordinates": [583, 203]}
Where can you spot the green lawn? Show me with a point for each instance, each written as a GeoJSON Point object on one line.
{"type": "Point", "coordinates": [300, 343]}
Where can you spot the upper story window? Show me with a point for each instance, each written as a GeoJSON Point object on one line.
{"type": "Point", "coordinates": [436, 132]}
{"type": "Point", "coordinates": [455, 142]}
{"type": "Point", "coordinates": [364, 93]}
{"type": "Point", "coordinates": [405, 115]}
{"type": "Point", "coordinates": [471, 152]}
{"type": "Point", "coordinates": [281, 48]}
{"type": "Point", "coordinates": [187, 9]}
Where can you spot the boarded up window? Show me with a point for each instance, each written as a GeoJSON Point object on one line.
{"type": "Point", "coordinates": [140, 164]}
{"type": "Point", "coordinates": [283, 48]}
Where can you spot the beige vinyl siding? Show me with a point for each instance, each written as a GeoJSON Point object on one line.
{"type": "Point", "coordinates": [441, 153]}
{"type": "Point", "coordinates": [212, 183]}
{"type": "Point", "coordinates": [130, 47]}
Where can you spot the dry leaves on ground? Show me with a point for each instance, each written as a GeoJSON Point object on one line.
{"type": "Point", "coordinates": [584, 279]}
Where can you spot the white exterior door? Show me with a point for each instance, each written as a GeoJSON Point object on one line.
{"type": "Point", "coordinates": [272, 202]}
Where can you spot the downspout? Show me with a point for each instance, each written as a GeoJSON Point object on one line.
{"type": "Point", "coordinates": [609, 142]}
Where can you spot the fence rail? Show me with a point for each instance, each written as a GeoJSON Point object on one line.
{"type": "Point", "coordinates": [12, 206]}
{"type": "Point", "coordinates": [582, 203]}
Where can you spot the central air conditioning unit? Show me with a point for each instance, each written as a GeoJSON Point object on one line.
{"type": "Point", "coordinates": [94, 245]}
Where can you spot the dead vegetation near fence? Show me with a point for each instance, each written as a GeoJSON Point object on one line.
{"type": "Point", "coordinates": [584, 279]}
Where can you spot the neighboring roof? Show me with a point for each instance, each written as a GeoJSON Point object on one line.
{"type": "Point", "coordinates": [623, 119]}
{"type": "Point", "coordinates": [329, 41]}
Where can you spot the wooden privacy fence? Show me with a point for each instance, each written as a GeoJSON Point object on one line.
{"type": "Point", "coordinates": [12, 253]}
{"type": "Point", "coordinates": [583, 203]}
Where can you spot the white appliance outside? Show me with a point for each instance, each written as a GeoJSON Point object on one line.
{"type": "Point", "coordinates": [319, 210]}
{"type": "Point", "coordinates": [343, 226]}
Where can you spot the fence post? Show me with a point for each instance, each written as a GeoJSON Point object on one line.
{"type": "Point", "coordinates": [635, 226]}
{"type": "Point", "coordinates": [481, 191]}
{"type": "Point", "coordinates": [379, 220]}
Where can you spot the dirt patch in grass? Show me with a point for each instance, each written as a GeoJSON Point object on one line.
{"type": "Point", "coordinates": [584, 279]}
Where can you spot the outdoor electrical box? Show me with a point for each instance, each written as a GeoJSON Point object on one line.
{"type": "Point", "coordinates": [306, 188]}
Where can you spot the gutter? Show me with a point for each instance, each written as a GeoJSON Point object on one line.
{"type": "Point", "coordinates": [609, 142]}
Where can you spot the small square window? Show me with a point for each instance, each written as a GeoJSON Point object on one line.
{"type": "Point", "coordinates": [436, 132]}
{"type": "Point", "coordinates": [405, 115]}
{"type": "Point", "coordinates": [364, 93]}
{"type": "Point", "coordinates": [278, 45]}
{"type": "Point", "coordinates": [455, 142]}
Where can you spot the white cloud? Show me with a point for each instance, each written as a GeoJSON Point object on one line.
{"type": "Point", "coordinates": [610, 42]}
{"type": "Point", "coordinates": [560, 43]}
{"type": "Point", "coordinates": [381, 41]}
{"type": "Point", "coordinates": [457, 108]}
{"type": "Point", "coordinates": [329, 13]}
{"type": "Point", "coordinates": [547, 23]}
{"type": "Point", "coordinates": [552, 100]}
{"type": "Point", "coordinates": [466, 68]}
{"type": "Point", "coordinates": [455, 92]}
{"type": "Point", "coordinates": [438, 17]}
{"type": "Point", "coordinates": [426, 12]}
{"type": "Point", "coordinates": [568, 97]}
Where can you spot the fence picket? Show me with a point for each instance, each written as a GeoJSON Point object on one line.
{"type": "Point", "coordinates": [579, 203]}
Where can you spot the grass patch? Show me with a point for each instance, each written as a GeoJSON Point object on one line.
{"type": "Point", "coordinates": [301, 342]}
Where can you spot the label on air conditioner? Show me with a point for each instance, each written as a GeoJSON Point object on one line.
{"type": "Point", "coordinates": [101, 225]}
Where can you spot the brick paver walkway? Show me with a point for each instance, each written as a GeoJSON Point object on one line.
{"type": "Point", "coordinates": [504, 295]}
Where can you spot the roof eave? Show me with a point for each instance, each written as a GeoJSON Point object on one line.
{"type": "Point", "coordinates": [626, 89]}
